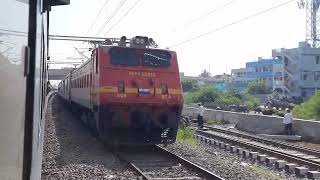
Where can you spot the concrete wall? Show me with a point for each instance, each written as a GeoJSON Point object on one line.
{"type": "Point", "coordinates": [260, 124]}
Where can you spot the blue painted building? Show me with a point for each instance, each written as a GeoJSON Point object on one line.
{"type": "Point", "coordinates": [268, 70]}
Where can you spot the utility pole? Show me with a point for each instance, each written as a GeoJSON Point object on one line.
{"type": "Point", "coordinates": [312, 21]}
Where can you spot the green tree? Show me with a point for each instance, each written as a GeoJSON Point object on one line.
{"type": "Point", "coordinates": [188, 84]}
{"type": "Point", "coordinates": [258, 87]}
{"type": "Point", "coordinates": [310, 109]}
{"type": "Point", "coordinates": [211, 96]}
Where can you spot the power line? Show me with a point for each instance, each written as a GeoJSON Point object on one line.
{"type": "Point", "coordinates": [209, 13]}
{"type": "Point", "coordinates": [112, 15]}
{"type": "Point", "coordinates": [96, 18]}
{"type": "Point", "coordinates": [133, 6]}
{"type": "Point", "coordinates": [233, 23]}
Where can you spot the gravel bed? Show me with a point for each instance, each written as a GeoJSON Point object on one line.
{"type": "Point", "coordinates": [70, 152]}
{"type": "Point", "coordinates": [225, 164]}
{"type": "Point", "coordinates": [171, 172]}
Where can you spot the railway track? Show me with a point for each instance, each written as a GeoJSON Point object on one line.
{"type": "Point", "coordinates": [156, 163]}
{"type": "Point", "coordinates": [268, 141]}
{"type": "Point", "coordinates": [233, 139]}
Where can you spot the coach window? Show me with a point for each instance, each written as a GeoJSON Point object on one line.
{"type": "Point", "coordinates": [87, 80]}
{"type": "Point", "coordinates": [83, 81]}
{"type": "Point", "coordinates": [87, 77]}
{"type": "Point", "coordinates": [90, 79]}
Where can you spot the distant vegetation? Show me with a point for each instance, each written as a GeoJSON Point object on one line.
{"type": "Point", "coordinates": [188, 84]}
{"type": "Point", "coordinates": [213, 97]}
{"type": "Point", "coordinates": [310, 109]}
{"type": "Point", "coordinates": [259, 87]}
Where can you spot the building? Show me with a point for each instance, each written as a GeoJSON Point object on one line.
{"type": "Point", "coordinates": [217, 81]}
{"type": "Point", "coordinates": [301, 70]}
{"type": "Point", "coordinates": [268, 70]}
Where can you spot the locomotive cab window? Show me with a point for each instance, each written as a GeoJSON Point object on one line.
{"type": "Point", "coordinates": [156, 58]}
{"type": "Point", "coordinates": [124, 56]}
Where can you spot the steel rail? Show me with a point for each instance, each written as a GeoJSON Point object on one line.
{"type": "Point", "coordinates": [313, 165]}
{"type": "Point", "coordinates": [188, 164]}
{"type": "Point", "coordinates": [282, 144]}
{"type": "Point", "coordinates": [191, 165]}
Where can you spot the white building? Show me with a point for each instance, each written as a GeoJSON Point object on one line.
{"type": "Point", "coordinates": [301, 70]}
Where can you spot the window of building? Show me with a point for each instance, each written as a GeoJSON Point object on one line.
{"type": "Point", "coordinates": [317, 76]}
{"type": "Point", "coordinates": [286, 61]}
{"type": "Point", "coordinates": [305, 76]}
{"type": "Point", "coordinates": [317, 59]}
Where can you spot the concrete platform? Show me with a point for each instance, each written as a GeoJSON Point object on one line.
{"type": "Point", "coordinates": [282, 137]}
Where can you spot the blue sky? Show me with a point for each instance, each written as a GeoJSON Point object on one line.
{"type": "Point", "coordinates": [171, 21]}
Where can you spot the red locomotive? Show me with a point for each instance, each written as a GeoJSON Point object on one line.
{"type": "Point", "coordinates": [128, 93]}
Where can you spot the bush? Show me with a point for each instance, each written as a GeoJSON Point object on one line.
{"type": "Point", "coordinates": [185, 135]}
{"type": "Point", "coordinates": [215, 122]}
{"type": "Point", "coordinates": [310, 109]}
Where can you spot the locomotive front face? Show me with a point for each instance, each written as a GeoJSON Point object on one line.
{"type": "Point", "coordinates": [140, 96]}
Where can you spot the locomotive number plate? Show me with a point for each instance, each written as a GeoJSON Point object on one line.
{"type": "Point", "coordinates": [144, 91]}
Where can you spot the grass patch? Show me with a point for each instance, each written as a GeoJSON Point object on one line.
{"type": "Point", "coordinates": [185, 135]}
{"type": "Point", "coordinates": [264, 173]}
{"type": "Point", "coordinates": [215, 122]}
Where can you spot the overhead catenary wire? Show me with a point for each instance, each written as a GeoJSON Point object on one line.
{"type": "Point", "coordinates": [97, 16]}
{"type": "Point", "coordinates": [122, 17]}
{"type": "Point", "coordinates": [111, 16]}
{"type": "Point", "coordinates": [209, 13]}
{"type": "Point", "coordinates": [230, 24]}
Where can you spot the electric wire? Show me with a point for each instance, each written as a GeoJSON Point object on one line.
{"type": "Point", "coordinates": [230, 24]}
{"type": "Point", "coordinates": [209, 13]}
{"type": "Point", "coordinates": [97, 16]}
{"type": "Point", "coordinates": [111, 16]}
{"type": "Point", "coordinates": [122, 17]}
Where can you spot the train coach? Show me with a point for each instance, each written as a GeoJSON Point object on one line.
{"type": "Point", "coordinates": [127, 93]}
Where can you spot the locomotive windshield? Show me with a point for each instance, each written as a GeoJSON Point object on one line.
{"type": "Point", "coordinates": [156, 58]}
{"type": "Point", "coordinates": [132, 57]}
{"type": "Point", "coordinates": [124, 56]}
